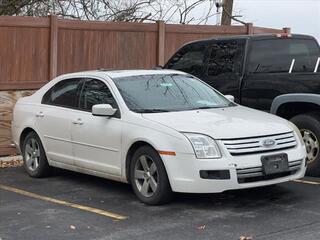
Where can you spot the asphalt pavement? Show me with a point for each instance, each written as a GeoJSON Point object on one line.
{"type": "Point", "coordinates": [69, 205]}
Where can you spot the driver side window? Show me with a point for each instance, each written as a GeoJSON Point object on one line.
{"type": "Point", "coordinates": [95, 92]}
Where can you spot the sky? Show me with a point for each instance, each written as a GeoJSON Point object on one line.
{"type": "Point", "coordinates": [302, 16]}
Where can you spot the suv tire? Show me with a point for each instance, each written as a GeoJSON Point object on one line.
{"type": "Point", "coordinates": [309, 126]}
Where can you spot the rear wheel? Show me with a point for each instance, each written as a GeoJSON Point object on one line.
{"type": "Point", "coordinates": [149, 178]}
{"type": "Point", "coordinates": [35, 160]}
{"type": "Point", "coordinates": [309, 126]}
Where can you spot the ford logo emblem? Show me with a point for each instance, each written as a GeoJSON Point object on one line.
{"type": "Point", "coordinates": [268, 143]}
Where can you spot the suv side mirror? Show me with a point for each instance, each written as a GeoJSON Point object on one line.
{"type": "Point", "coordinates": [229, 97]}
{"type": "Point", "coordinates": [103, 110]}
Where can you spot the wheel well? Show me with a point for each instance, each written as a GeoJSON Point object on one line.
{"type": "Point", "coordinates": [130, 153]}
{"type": "Point", "coordinates": [291, 109]}
{"type": "Point", "coordinates": [23, 135]}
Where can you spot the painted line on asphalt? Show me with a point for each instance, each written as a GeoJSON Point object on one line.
{"type": "Point", "coordinates": [64, 203]}
{"type": "Point", "coordinates": [306, 182]}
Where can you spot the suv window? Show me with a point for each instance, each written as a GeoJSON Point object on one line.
{"type": "Point", "coordinates": [63, 93]}
{"type": "Point", "coordinates": [189, 59]}
{"type": "Point", "coordinates": [225, 57]}
{"type": "Point", "coordinates": [95, 92]}
{"type": "Point", "coordinates": [281, 55]}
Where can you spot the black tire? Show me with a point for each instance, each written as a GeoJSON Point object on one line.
{"type": "Point", "coordinates": [163, 193]}
{"type": "Point", "coordinates": [310, 122]}
{"type": "Point", "coordinates": [42, 168]}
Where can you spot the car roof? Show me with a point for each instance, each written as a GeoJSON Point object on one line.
{"type": "Point", "coordinates": [254, 37]}
{"type": "Point", "coordinates": [121, 73]}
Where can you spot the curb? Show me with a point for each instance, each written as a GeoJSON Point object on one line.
{"type": "Point", "coordinates": [11, 158]}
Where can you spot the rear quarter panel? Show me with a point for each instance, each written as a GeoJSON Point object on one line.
{"type": "Point", "coordinates": [24, 113]}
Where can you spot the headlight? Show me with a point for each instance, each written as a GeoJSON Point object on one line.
{"type": "Point", "coordinates": [297, 131]}
{"type": "Point", "coordinates": [203, 146]}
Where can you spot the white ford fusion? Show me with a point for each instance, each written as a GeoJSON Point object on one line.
{"type": "Point", "coordinates": [161, 131]}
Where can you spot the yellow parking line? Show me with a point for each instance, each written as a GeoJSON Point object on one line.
{"type": "Point", "coordinates": [307, 182]}
{"type": "Point", "coordinates": [64, 203]}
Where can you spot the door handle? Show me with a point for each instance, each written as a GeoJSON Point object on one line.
{"type": "Point", "coordinates": [78, 121]}
{"type": "Point", "coordinates": [40, 114]}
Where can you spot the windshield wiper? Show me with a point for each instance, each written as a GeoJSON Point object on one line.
{"type": "Point", "coordinates": [205, 107]}
{"type": "Point", "coordinates": [153, 110]}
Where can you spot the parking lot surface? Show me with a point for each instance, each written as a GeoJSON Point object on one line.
{"type": "Point", "coordinates": [76, 206]}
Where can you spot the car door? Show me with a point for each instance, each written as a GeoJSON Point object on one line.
{"type": "Point", "coordinates": [278, 66]}
{"type": "Point", "coordinates": [223, 67]}
{"type": "Point", "coordinates": [97, 139]}
{"type": "Point", "coordinates": [189, 59]}
{"type": "Point", "coordinates": [54, 117]}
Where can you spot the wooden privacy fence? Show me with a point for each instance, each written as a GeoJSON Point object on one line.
{"type": "Point", "coordinates": [34, 50]}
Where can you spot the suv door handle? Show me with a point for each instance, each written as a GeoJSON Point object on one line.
{"type": "Point", "coordinates": [78, 121]}
{"type": "Point", "coordinates": [40, 114]}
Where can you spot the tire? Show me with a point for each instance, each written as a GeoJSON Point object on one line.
{"type": "Point", "coordinates": [149, 178]}
{"type": "Point", "coordinates": [34, 157]}
{"type": "Point", "coordinates": [309, 126]}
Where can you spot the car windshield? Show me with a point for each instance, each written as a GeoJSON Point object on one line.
{"type": "Point", "coordinates": [168, 92]}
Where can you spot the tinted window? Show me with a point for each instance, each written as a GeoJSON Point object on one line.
{"type": "Point", "coordinates": [189, 59]}
{"type": "Point", "coordinates": [63, 94]}
{"type": "Point", "coordinates": [95, 92]}
{"type": "Point", "coordinates": [225, 57]}
{"type": "Point", "coordinates": [168, 92]}
{"type": "Point", "coordinates": [279, 55]}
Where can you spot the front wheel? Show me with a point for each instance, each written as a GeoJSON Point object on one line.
{"type": "Point", "coordinates": [309, 126]}
{"type": "Point", "coordinates": [149, 178]}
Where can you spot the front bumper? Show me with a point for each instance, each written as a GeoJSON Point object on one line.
{"type": "Point", "coordinates": [184, 171]}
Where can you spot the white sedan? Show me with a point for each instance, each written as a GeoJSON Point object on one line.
{"type": "Point", "coordinates": [162, 131]}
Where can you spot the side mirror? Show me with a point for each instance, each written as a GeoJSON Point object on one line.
{"type": "Point", "coordinates": [229, 97]}
{"type": "Point", "coordinates": [103, 110]}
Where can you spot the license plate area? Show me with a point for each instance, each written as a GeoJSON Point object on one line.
{"type": "Point", "coordinates": [273, 164]}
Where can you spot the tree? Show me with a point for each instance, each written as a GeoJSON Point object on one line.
{"type": "Point", "coordinates": [172, 11]}
{"type": "Point", "coordinates": [227, 12]}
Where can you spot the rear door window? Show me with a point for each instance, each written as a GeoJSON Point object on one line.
{"type": "Point", "coordinates": [283, 56]}
{"type": "Point", "coordinates": [226, 57]}
{"type": "Point", "coordinates": [63, 93]}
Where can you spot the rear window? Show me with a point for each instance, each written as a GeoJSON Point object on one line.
{"type": "Point", "coordinates": [283, 56]}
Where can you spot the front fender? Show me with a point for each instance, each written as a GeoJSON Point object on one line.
{"type": "Point", "coordinates": [294, 97]}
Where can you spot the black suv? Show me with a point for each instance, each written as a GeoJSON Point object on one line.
{"type": "Point", "coordinates": [279, 73]}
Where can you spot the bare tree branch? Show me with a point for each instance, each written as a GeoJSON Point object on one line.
{"type": "Point", "coordinates": [170, 11]}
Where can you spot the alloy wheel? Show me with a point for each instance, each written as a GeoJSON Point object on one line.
{"type": "Point", "coordinates": [146, 176]}
{"type": "Point", "coordinates": [312, 144]}
{"type": "Point", "coordinates": [32, 154]}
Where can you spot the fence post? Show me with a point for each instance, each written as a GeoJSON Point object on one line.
{"type": "Point", "coordinates": [161, 41]}
{"type": "Point", "coordinates": [250, 29]}
{"type": "Point", "coordinates": [286, 30]}
{"type": "Point", "coordinates": [53, 47]}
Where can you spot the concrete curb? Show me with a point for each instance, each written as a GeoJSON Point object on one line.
{"type": "Point", "coordinates": [11, 158]}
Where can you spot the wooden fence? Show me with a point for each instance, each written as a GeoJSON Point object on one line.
{"type": "Point", "coordinates": [34, 50]}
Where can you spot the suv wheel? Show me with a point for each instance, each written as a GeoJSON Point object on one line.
{"type": "Point", "coordinates": [149, 178]}
{"type": "Point", "coordinates": [35, 160]}
{"type": "Point", "coordinates": [309, 125]}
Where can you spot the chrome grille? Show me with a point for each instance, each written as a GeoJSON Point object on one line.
{"type": "Point", "coordinates": [257, 144]}
{"type": "Point", "coordinates": [256, 172]}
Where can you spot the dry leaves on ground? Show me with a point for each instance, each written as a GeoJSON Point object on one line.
{"type": "Point", "coordinates": [11, 163]}
{"type": "Point", "coordinates": [245, 238]}
{"type": "Point", "coordinates": [201, 227]}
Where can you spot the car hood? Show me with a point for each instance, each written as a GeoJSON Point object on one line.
{"type": "Point", "coordinates": [223, 123]}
